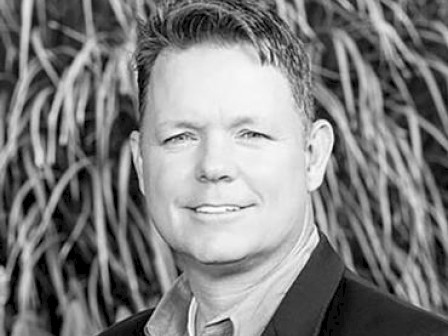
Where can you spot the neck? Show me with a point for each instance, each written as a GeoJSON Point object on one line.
{"type": "Point", "coordinates": [218, 288]}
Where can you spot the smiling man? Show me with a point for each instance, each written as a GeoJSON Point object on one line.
{"type": "Point", "coordinates": [227, 155]}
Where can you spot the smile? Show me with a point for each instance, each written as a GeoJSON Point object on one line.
{"type": "Point", "coordinates": [217, 209]}
{"type": "Point", "coordinates": [208, 209]}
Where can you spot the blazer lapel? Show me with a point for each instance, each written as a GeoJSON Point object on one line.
{"type": "Point", "coordinates": [303, 308]}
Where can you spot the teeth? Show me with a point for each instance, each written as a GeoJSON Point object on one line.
{"type": "Point", "coordinates": [217, 209]}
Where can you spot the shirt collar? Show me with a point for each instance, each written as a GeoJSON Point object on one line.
{"type": "Point", "coordinates": [192, 317]}
{"type": "Point", "coordinates": [170, 316]}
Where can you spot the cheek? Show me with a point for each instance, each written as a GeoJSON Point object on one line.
{"type": "Point", "coordinates": [165, 178]}
{"type": "Point", "coordinates": [277, 175]}
{"type": "Point", "coordinates": [162, 188]}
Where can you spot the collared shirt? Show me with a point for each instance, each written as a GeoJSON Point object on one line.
{"type": "Point", "coordinates": [250, 316]}
{"type": "Point", "coordinates": [325, 299]}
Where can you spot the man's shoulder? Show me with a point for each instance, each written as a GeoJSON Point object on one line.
{"type": "Point", "coordinates": [132, 326]}
{"type": "Point", "coordinates": [358, 308]}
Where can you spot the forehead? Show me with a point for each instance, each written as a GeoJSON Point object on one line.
{"type": "Point", "coordinates": [206, 78]}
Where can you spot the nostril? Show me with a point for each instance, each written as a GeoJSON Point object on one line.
{"type": "Point", "coordinates": [213, 178]}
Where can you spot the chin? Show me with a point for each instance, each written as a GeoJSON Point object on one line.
{"type": "Point", "coordinates": [221, 260]}
{"type": "Point", "coordinates": [229, 250]}
{"type": "Point", "coordinates": [226, 258]}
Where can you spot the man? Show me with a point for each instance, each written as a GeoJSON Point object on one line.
{"type": "Point", "coordinates": [227, 155]}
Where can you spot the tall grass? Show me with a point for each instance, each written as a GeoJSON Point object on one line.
{"type": "Point", "coordinates": [76, 250]}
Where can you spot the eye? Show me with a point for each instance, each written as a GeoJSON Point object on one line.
{"type": "Point", "coordinates": [247, 134]}
{"type": "Point", "coordinates": [179, 138]}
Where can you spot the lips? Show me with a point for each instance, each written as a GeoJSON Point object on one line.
{"type": "Point", "coordinates": [218, 209]}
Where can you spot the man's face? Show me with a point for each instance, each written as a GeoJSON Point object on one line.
{"type": "Point", "coordinates": [222, 158]}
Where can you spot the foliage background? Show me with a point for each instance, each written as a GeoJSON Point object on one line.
{"type": "Point", "coordinates": [76, 252]}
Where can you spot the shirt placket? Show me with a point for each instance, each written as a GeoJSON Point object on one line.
{"type": "Point", "coordinates": [221, 328]}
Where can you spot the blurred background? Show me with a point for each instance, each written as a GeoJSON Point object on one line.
{"type": "Point", "coordinates": [76, 250]}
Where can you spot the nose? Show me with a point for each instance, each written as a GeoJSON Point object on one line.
{"type": "Point", "coordinates": [216, 161]}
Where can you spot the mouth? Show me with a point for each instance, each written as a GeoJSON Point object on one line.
{"type": "Point", "coordinates": [210, 209]}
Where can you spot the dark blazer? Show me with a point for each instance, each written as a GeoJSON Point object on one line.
{"type": "Point", "coordinates": [327, 299]}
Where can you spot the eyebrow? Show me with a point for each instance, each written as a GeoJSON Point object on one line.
{"type": "Point", "coordinates": [240, 121]}
{"type": "Point", "coordinates": [195, 125]}
{"type": "Point", "coordinates": [244, 121]}
{"type": "Point", "coordinates": [179, 124]}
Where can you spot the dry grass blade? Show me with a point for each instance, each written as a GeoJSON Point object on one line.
{"type": "Point", "coordinates": [76, 320]}
{"type": "Point", "coordinates": [7, 13]}
{"type": "Point", "coordinates": [25, 31]}
{"type": "Point", "coordinates": [92, 295]}
{"type": "Point", "coordinates": [302, 18]}
{"type": "Point", "coordinates": [15, 123]}
{"type": "Point", "coordinates": [101, 237]}
{"type": "Point", "coordinates": [3, 104]}
{"type": "Point", "coordinates": [345, 73]}
{"type": "Point", "coordinates": [29, 323]}
{"type": "Point", "coordinates": [120, 13]}
{"type": "Point", "coordinates": [27, 296]}
{"type": "Point", "coordinates": [88, 16]}
{"type": "Point", "coordinates": [16, 210]}
{"type": "Point", "coordinates": [83, 98]}
{"type": "Point", "coordinates": [4, 295]}
{"type": "Point", "coordinates": [35, 126]}
{"type": "Point", "coordinates": [122, 313]}
{"type": "Point", "coordinates": [43, 57]}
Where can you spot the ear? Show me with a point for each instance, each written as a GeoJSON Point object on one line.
{"type": "Point", "coordinates": [318, 150]}
{"type": "Point", "coordinates": [137, 158]}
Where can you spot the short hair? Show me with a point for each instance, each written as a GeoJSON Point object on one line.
{"type": "Point", "coordinates": [180, 24]}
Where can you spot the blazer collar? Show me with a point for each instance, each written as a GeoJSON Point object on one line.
{"type": "Point", "coordinates": [305, 304]}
